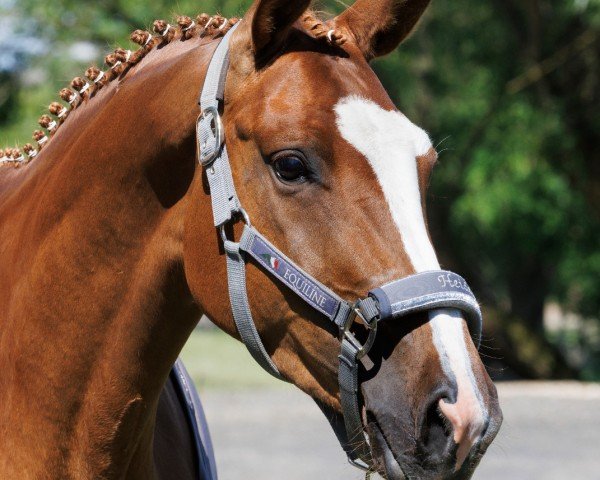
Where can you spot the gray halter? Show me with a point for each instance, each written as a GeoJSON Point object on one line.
{"type": "Point", "coordinates": [420, 292]}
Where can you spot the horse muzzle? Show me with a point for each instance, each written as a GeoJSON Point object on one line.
{"type": "Point", "coordinates": [420, 422]}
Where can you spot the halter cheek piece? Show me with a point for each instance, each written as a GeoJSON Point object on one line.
{"type": "Point", "coordinates": [420, 292]}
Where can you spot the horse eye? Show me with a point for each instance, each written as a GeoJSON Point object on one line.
{"type": "Point", "coordinates": [290, 168]}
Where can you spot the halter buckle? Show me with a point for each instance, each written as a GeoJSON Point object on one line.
{"type": "Point", "coordinates": [362, 350]}
{"type": "Point", "coordinates": [209, 117]}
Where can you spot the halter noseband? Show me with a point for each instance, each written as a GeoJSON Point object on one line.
{"type": "Point", "coordinates": [420, 292]}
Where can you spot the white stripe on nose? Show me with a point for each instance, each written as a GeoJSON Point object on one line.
{"type": "Point", "coordinates": [391, 143]}
{"type": "Point", "coordinates": [467, 415]}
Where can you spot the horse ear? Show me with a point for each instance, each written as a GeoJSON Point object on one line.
{"type": "Point", "coordinates": [271, 22]}
{"type": "Point", "coordinates": [379, 26]}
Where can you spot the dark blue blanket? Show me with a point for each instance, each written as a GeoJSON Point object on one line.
{"type": "Point", "coordinates": [190, 402]}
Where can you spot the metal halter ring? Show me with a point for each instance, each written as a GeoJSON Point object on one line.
{"type": "Point", "coordinates": [216, 128]}
{"type": "Point", "coordinates": [362, 350]}
{"type": "Point", "coordinates": [355, 462]}
{"type": "Point", "coordinates": [245, 218]}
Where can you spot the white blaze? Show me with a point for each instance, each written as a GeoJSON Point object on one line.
{"type": "Point", "coordinates": [391, 142]}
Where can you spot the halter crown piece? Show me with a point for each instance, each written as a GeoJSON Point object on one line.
{"type": "Point", "coordinates": [420, 292]}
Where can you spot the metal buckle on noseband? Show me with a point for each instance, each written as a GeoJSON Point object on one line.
{"type": "Point", "coordinates": [362, 350]}
{"type": "Point", "coordinates": [216, 128]}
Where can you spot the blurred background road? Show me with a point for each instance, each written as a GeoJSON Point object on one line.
{"type": "Point", "coordinates": [264, 429]}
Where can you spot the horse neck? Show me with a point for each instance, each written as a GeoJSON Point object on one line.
{"type": "Point", "coordinates": [94, 305]}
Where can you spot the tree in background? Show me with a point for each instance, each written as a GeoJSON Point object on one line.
{"type": "Point", "coordinates": [508, 88]}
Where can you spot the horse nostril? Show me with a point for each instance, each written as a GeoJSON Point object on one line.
{"type": "Point", "coordinates": [435, 434]}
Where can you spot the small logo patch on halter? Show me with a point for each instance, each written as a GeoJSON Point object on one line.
{"type": "Point", "coordinates": [271, 260]}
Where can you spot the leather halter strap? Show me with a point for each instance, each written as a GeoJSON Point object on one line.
{"type": "Point", "coordinates": [392, 301]}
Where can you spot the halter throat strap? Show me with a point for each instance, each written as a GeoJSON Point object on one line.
{"type": "Point", "coordinates": [390, 302]}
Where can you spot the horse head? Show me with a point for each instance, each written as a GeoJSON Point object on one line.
{"type": "Point", "coordinates": [330, 171]}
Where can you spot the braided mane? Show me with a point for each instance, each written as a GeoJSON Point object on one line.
{"type": "Point", "coordinates": [121, 60]}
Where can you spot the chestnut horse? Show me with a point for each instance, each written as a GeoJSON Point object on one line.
{"type": "Point", "coordinates": [109, 253]}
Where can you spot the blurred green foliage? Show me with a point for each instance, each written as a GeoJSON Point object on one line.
{"type": "Point", "coordinates": [509, 89]}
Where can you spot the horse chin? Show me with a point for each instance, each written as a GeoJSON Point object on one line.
{"type": "Point", "coordinates": [384, 460]}
{"type": "Point", "coordinates": [387, 465]}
